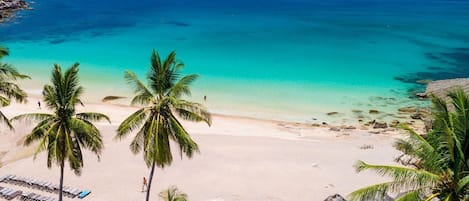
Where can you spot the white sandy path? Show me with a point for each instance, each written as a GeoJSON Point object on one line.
{"type": "Point", "coordinates": [241, 159]}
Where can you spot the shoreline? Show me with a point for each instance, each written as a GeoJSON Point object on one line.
{"type": "Point", "coordinates": [281, 160]}
{"type": "Point", "coordinates": [291, 157]}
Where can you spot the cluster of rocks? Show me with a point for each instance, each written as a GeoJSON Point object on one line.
{"type": "Point", "coordinates": [411, 116]}
{"type": "Point", "coordinates": [337, 197]}
{"type": "Point", "coordinates": [9, 7]}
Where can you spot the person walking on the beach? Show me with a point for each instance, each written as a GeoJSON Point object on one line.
{"type": "Point", "coordinates": [145, 184]}
{"type": "Point", "coordinates": [39, 104]}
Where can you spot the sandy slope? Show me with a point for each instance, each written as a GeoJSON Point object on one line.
{"type": "Point", "coordinates": [241, 159]}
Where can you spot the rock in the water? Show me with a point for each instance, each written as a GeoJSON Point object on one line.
{"type": "Point", "coordinates": [423, 81]}
{"type": "Point", "coordinates": [373, 111]}
{"type": "Point", "coordinates": [380, 125]}
{"type": "Point", "coordinates": [421, 95]}
{"type": "Point", "coordinates": [408, 109]}
{"type": "Point", "coordinates": [335, 197]}
{"type": "Point", "coordinates": [8, 8]}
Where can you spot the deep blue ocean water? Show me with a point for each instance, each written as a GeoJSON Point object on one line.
{"type": "Point", "coordinates": [276, 59]}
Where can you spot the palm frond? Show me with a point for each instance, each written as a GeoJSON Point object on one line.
{"type": "Point", "coordinates": [410, 196]}
{"type": "Point", "coordinates": [13, 91]}
{"type": "Point", "coordinates": [87, 135]}
{"type": "Point", "coordinates": [4, 101]}
{"type": "Point", "coordinates": [5, 120]}
{"type": "Point", "coordinates": [411, 178]}
{"type": "Point", "coordinates": [183, 139]}
{"type": "Point", "coordinates": [132, 122]}
{"type": "Point", "coordinates": [137, 85]}
{"type": "Point", "coordinates": [182, 86]}
{"type": "Point", "coordinates": [372, 193]}
{"type": "Point", "coordinates": [192, 111]}
{"type": "Point", "coordinates": [32, 117]}
{"type": "Point", "coordinates": [9, 72]}
{"type": "Point", "coordinates": [4, 52]}
{"type": "Point", "coordinates": [92, 116]}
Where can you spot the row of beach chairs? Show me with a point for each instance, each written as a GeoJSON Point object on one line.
{"type": "Point", "coordinates": [44, 186]}
{"type": "Point", "coordinates": [9, 193]}
{"type": "Point", "coordinates": [34, 197]}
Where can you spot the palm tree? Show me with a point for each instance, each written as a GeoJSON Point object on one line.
{"type": "Point", "coordinates": [64, 133]}
{"type": "Point", "coordinates": [173, 194]}
{"type": "Point", "coordinates": [435, 167]}
{"type": "Point", "coordinates": [156, 123]}
{"type": "Point", "coordinates": [8, 88]}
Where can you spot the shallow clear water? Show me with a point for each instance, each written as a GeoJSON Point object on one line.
{"type": "Point", "coordinates": [288, 60]}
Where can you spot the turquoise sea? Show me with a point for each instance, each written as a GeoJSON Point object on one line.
{"type": "Point", "coordinates": [278, 59]}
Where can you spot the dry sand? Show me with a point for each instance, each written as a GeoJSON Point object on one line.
{"type": "Point", "coordinates": [241, 159]}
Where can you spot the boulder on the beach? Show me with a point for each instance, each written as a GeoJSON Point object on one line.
{"type": "Point", "coordinates": [380, 125]}
{"type": "Point", "coordinates": [335, 197]}
{"type": "Point", "coordinates": [348, 127]}
{"type": "Point", "coordinates": [332, 113]}
{"type": "Point", "coordinates": [394, 123]}
{"type": "Point", "coordinates": [334, 129]}
{"type": "Point", "coordinates": [417, 115]}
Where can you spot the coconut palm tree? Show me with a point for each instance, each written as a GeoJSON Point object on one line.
{"type": "Point", "coordinates": [173, 194]}
{"type": "Point", "coordinates": [64, 133]}
{"type": "Point", "coordinates": [156, 123]}
{"type": "Point", "coordinates": [435, 167]}
{"type": "Point", "coordinates": [9, 90]}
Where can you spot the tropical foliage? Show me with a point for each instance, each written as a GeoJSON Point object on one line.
{"type": "Point", "coordinates": [433, 167]}
{"type": "Point", "coordinates": [173, 194]}
{"type": "Point", "coordinates": [64, 133]}
{"type": "Point", "coordinates": [9, 90]}
{"type": "Point", "coordinates": [156, 123]}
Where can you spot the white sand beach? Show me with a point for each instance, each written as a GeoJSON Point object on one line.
{"type": "Point", "coordinates": [240, 159]}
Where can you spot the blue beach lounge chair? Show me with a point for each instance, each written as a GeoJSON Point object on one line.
{"type": "Point", "coordinates": [83, 194]}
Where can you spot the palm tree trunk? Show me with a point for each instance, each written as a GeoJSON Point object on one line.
{"type": "Point", "coordinates": [61, 180]}
{"type": "Point", "coordinates": [149, 180]}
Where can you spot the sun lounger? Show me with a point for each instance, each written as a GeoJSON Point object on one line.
{"type": "Point", "coordinates": [83, 194]}
{"type": "Point", "coordinates": [13, 195]}
{"type": "Point", "coordinates": [5, 191]}
{"type": "Point", "coordinates": [4, 178]}
{"type": "Point", "coordinates": [34, 196]}
{"type": "Point", "coordinates": [76, 192]}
